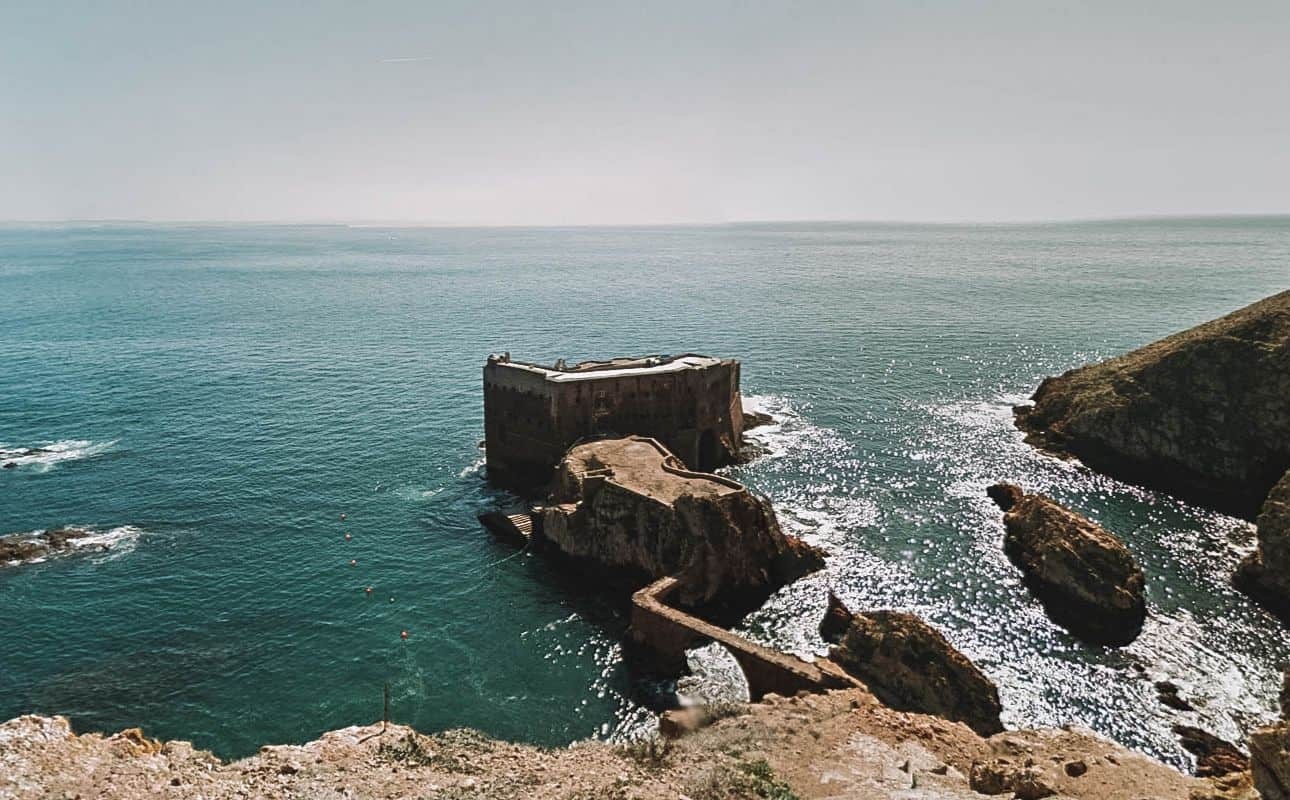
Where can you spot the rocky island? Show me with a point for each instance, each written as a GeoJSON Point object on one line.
{"type": "Point", "coordinates": [1086, 578]}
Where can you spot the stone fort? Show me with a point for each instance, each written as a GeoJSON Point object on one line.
{"type": "Point", "coordinates": [533, 414]}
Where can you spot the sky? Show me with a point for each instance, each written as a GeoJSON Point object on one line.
{"type": "Point", "coordinates": [586, 113]}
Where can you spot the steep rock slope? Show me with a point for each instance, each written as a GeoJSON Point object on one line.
{"type": "Point", "coordinates": [628, 506]}
{"type": "Point", "coordinates": [1265, 573]}
{"type": "Point", "coordinates": [1203, 414]}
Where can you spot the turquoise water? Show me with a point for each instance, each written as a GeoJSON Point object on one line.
{"type": "Point", "coordinates": [219, 395]}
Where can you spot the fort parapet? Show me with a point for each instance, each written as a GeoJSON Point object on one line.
{"type": "Point", "coordinates": [534, 413]}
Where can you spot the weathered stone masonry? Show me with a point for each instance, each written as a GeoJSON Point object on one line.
{"type": "Point", "coordinates": [533, 413]}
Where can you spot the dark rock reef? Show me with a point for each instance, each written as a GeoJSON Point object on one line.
{"type": "Point", "coordinates": [27, 547]}
{"type": "Point", "coordinates": [910, 666]}
{"type": "Point", "coordinates": [630, 508]}
{"type": "Point", "coordinates": [1086, 579]}
{"type": "Point", "coordinates": [1202, 414]}
{"type": "Point", "coordinates": [1265, 573]}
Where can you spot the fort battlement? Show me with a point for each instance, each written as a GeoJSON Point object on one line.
{"type": "Point", "coordinates": [534, 413]}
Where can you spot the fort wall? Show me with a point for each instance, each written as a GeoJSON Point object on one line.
{"type": "Point", "coordinates": [533, 413]}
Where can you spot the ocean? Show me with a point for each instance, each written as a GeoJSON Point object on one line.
{"type": "Point", "coordinates": [214, 397]}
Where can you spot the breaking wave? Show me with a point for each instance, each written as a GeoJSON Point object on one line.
{"type": "Point", "coordinates": [44, 456]}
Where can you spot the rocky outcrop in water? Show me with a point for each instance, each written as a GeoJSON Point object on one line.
{"type": "Point", "coordinates": [1214, 757]}
{"type": "Point", "coordinates": [29, 547]}
{"type": "Point", "coordinates": [910, 666]}
{"type": "Point", "coordinates": [1201, 414]}
{"type": "Point", "coordinates": [1265, 573]}
{"type": "Point", "coordinates": [1086, 579]}
{"type": "Point", "coordinates": [628, 507]}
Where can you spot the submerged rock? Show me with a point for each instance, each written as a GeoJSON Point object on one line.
{"type": "Point", "coordinates": [1167, 694]}
{"type": "Point", "coordinates": [1086, 579]}
{"type": "Point", "coordinates": [1265, 573]}
{"type": "Point", "coordinates": [1201, 414]}
{"type": "Point", "coordinates": [628, 507]}
{"type": "Point", "coordinates": [910, 666]}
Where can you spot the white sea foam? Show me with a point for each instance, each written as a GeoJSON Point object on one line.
{"type": "Point", "coordinates": [45, 455]}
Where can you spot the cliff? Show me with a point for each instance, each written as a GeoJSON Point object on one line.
{"type": "Point", "coordinates": [629, 507]}
{"type": "Point", "coordinates": [842, 744]}
{"type": "Point", "coordinates": [1265, 573]}
{"type": "Point", "coordinates": [1201, 414]}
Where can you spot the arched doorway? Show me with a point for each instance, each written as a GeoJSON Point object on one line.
{"type": "Point", "coordinates": [709, 455]}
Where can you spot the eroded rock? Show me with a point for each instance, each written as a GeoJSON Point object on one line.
{"type": "Point", "coordinates": [1270, 760]}
{"type": "Point", "coordinates": [1085, 577]}
{"type": "Point", "coordinates": [627, 506]}
{"type": "Point", "coordinates": [910, 666]}
{"type": "Point", "coordinates": [1265, 573]}
{"type": "Point", "coordinates": [1201, 414]}
{"type": "Point", "coordinates": [1214, 757]}
{"type": "Point", "coordinates": [1270, 752]}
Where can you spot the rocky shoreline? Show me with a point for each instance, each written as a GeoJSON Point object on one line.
{"type": "Point", "coordinates": [843, 744]}
{"type": "Point", "coordinates": [1204, 415]}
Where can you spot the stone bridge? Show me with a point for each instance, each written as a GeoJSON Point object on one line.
{"type": "Point", "coordinates": [664, 633]}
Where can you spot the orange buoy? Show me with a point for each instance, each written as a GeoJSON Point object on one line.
{"type": "Point", "coordinates": [403, 635]}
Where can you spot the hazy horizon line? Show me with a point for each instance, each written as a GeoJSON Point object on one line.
{"type": "Point", "coordinates": [416, 223]}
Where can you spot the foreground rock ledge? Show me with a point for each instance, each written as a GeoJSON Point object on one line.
{"type": "Point", "coordinates": [840, 745]}
{"type": "Point", "coordinates": [1087, 580]}
{"type": "Point", "coordinates": [1201, 414]}
{"type": "Point", "coordinates": [629, 506]}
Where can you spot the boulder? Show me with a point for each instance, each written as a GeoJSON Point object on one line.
{"type": "Point", "coordinates": [1086, 579]}
{"type": "Point", "coordinates": [1265, 573]}
{"type": "Point", "coordinates": [910, 666]}
{"type": "Point", "coordinates": [627, 508]}
{"type": "Point", "coordinates": [1167, 694]}
{"type": "Point", "coordinates": [837, 618]}
{"type": "Point", "coordinates": [1201, 414]}
{"type": "Point", "coordinates": [1270, 752]}
{"type": "Point", "coordinates": [1214, 757]}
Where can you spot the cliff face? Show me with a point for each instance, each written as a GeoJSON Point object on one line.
{"type": "Point", "coordinates": [1201, 414]}
{"type": "Point", "coordinates": [1265, 573]}
{"type": "Point", "coordinates": [1087, 580]}
{"type": "Point", "coordinates": [621, 504]}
